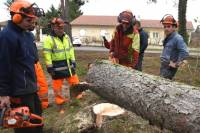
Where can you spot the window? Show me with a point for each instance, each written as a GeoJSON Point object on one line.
{"type": "Point", "coordinates": [155, 35]}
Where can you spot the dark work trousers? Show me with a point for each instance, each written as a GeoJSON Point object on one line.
{"type": "Point", "coordinates": [139, 64]}
{"type": "Point", "coordinates": [166, 71]}
{"type": "Point", "coordinates": [34, 104]}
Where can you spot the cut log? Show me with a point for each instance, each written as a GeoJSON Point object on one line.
{"type": "Point", "coordinates": [171, 105]}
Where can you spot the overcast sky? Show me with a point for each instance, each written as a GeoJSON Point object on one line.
{"type": "Point", "coordinates": [140, 8]}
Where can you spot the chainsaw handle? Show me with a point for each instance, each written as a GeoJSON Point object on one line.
{"type": "Point", "coordinates": [33, 116]}
{"type": "Point", "coordinates": [28, 124]}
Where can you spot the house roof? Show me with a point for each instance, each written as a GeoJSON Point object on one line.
{"type": "Point", "coordinates": [95, 20]}
{"type": "Point", "coordinates": [112, 21]}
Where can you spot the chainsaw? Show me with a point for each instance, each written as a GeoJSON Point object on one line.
{"type": "Point", "coordinates": [19, 118]}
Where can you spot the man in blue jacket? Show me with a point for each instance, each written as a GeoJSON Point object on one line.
{"type": "Point", "coordinates": [175, 50]}
{"type": "Point", "coordinates": [143, 44]}
{"type": "Point", "coordinates": [18, 84]}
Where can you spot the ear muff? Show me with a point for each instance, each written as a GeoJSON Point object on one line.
{"type": "Point", "coordinates": [132, 18]}
{"type": "Point", "coordinates": [17, 18]}
{"type": "Point", "coordinates": [119, 18]}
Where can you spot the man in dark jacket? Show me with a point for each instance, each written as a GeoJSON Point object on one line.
{"type": "Point", "coordinates": [143, 44]}
{"type": "Point", "coordinates": [175, 50]}
{"type": "Point", "coordinates": [18, 84]}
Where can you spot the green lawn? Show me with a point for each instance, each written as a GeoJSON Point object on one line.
{"type": "Point", "coordinates": [123, 124]}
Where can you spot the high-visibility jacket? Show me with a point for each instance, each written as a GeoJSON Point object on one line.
{"type": "Point", "coordinates": [42, 85]}
{"type": "Point", "coordinates": [59, 54]}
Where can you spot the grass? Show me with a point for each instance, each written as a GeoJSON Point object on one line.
{"type": "Point", "coordinates": [125, 124]}
{"type": "Point", "coordinates": [151, 65]}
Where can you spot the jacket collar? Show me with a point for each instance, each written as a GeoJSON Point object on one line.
{"type": "Point", "coordinates": [14, 26]}
{"type": "Point", "coordinates": [141, 29]}
{"type": "Point", "coordinates": [54, 35]}
{"type": "Point", "coordinates": [167, 38]}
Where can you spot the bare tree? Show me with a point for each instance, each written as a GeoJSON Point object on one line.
{"type": "Point", "coordinates": [182, 7]}
{"type": "Point", "coordinates": [65, 16]}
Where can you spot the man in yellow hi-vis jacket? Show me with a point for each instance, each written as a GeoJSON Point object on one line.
{"type": "Point", "coordinates": [60, 60]}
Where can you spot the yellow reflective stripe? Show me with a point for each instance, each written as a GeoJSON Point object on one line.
{"type": "Point", "coordinates": [58, 51]}
{"type": "Point", "coordinates": [61, 50]}
{"type": "Point", "coordinates": [68, 49]}
{"type": "Point", "coordinates": [50, 65]}
{"type": "Point", "coordinates": [46, 49]}
{"type": "Point", "coordinates": [60, 68]}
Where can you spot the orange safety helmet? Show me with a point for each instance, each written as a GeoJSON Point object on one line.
{"type": "Point", "coordinates": [126, 17]}
{"type": "Point", "coordinates": [58, 22]}
{"type": "Point", "coordinates": [169, 19]}
{"type": "Point", "coordinates": [20, 8]}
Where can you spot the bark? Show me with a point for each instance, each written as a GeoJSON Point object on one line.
{"type": "Point", "coordinates": [171, 105]}
{"type": "Point", "coordinates": [182, 7]}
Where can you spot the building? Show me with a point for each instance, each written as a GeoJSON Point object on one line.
{"type": "Point", "coordinates": [91, 28]}
{"type": "Point", "coordinates": [2, 24]}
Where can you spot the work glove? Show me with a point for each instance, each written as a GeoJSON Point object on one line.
{"type": "Point", "coordinates": [73, 64]}
{"type": "Point", "coordinates": [104, 39]}
{"type": "Point", "coordinates": [50, 70]}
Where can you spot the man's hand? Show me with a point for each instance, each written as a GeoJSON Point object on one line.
{"type": "Point", "coordinates": [183, 63]}
{"type": "Point", "coordinates": [73, 64]}
{"type": "Point", "coordinates": [4, 101]}
{"type": "Point", "coordinates": [179, 64]}
{"type": "Point", "coordinates": [50, 70]}
{"type": "Point", "coordinates": [104, 39]}
{"type": "Point", "coordinates": [172, 64]}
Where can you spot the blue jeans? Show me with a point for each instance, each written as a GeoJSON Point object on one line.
{"type": "Point", "coordinates": [166, 71]}
{"type": "Point", "coordinates": [139, 64]}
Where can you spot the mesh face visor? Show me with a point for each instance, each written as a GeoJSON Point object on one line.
{"type": "Point", "coordinates": [33, 11]}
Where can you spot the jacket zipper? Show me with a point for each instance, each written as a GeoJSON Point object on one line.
{"type": "Point", "coordinates": [25, 79]}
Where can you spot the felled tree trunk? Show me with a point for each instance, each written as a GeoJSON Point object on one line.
{"type": "Point", "coordinates": [164, 103]}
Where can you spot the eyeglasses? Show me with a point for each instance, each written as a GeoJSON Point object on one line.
{"type": "Point", "coordinates": [167, 26]}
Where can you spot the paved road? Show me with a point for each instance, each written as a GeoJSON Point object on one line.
{"type": "Point", "coordinates": [157, 51]}
{"type": "Point", "coordinates": [150, 49]}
